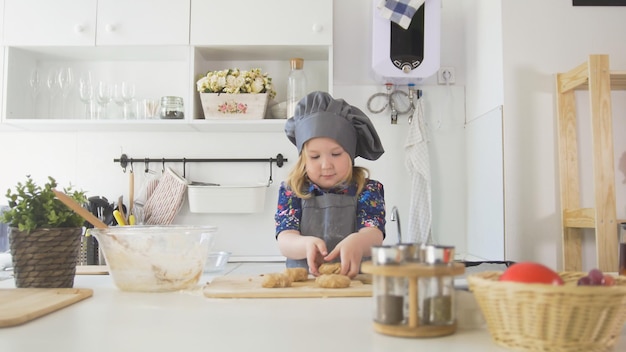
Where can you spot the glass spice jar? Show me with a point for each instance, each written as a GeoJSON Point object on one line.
{"type": "Point", "coordinates": [389, 291]}
{"type": "Point", "coordinates": [437, 293]}
{"type": "Point", "coordinates": [171, 108]}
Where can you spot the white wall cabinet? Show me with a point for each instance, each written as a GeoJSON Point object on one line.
{"type": "Point", "coordinates": [163, 46]}
{"type": "Point", "coordinates": [59, 22]}
{"type": "Point", "coordinates": [254, 22]}
{"type": "Point", "coordinates": [96, 22]}
{"type": "Point", "coordinates": [143, 22]}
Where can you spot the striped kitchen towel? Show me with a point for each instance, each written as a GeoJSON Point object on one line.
{"type": "Point", "coordinates": [400, 11]}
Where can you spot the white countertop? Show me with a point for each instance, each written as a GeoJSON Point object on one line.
{"type": "Point", "coordinates": [114, 320]}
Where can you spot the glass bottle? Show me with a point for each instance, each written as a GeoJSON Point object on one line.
{"type": "Point", "coordinates": [389, 291]}
{"type": "Point", "coordinates": [437, 292]}
{"type": "Point", "coordinates": [296, 85]}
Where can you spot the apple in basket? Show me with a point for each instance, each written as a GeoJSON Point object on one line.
{"type": "Point", "coordinates": [531, 272]}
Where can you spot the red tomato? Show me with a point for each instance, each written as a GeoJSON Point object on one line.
{"type": "Point", "coordinates": [530, 272]}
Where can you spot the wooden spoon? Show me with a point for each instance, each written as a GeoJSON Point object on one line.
{"type": "Point", "coordinates": [72, 204]}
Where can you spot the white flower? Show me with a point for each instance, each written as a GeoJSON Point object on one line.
{"type": "Point", "coordinates": [236, 81]}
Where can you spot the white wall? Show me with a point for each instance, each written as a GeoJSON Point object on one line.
{"type": "Point", "coordinates": [541, 38]}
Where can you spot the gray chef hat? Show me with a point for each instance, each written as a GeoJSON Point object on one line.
{"type": "Point", "coordinates": [320, 115]}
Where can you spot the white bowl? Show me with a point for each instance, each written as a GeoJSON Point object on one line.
{"type": "Point", "coordinates": [216, 262]}
{"type": "Point", "coordinates": [155, 258]}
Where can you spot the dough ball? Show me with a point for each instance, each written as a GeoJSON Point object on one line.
{"type": "Point", "coordinates": [329, 268]}
{"type": "Point", "coordinates": [333, 281]}
{"type": "Point", "coordinates": [297, 274]}
{"type": "Point", "coordinates": [275, 280]}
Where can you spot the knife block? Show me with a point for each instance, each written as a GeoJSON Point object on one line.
{"type": "Point", "coordinates": [412, 325]}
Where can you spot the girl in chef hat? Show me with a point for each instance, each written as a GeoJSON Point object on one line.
{"type": "Point", "coordinates": [329, 210]}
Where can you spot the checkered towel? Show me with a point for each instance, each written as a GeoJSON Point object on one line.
{"type": "Point", "coordinates": [399, 11]}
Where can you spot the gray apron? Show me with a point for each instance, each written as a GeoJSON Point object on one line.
{"type": "Point", "coordinates": [331, 217]}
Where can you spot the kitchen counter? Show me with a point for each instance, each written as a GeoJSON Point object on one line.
{"type": "Point", "coordinates": [114, 320]}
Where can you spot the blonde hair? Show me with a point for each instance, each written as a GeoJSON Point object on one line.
{"type": "Point", "coordinates": [298, 181]}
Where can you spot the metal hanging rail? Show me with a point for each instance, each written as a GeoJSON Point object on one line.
{"type": "Point", "coordinates": [124, 161]}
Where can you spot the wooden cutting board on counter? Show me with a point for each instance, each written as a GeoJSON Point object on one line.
{"type": "Point", "coordinates": [249, 286]}
{"type": "Point", "coordinates": [20, 305]}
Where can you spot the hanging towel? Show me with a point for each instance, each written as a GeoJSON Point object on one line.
{"type": "Point", "coordinates": [417, 163]}
{"type": "Point", "coordinates": [400, 11]}
{"type": "Point", "coordinates": [166, 200]}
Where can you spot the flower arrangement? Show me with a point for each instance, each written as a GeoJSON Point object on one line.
{"type": "Point", "coordinates": [235, 81]}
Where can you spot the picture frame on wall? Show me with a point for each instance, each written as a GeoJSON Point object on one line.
{"type": "Point", "coordinates": [599, 2]}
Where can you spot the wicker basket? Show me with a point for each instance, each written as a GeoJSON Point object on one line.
{"type": "Point", "coordinates": [45, 257]}
{"type": "Point", "coordinates": [538, 317]}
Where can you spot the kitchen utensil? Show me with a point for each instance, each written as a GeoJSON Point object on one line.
{"type": "Point", "coordinates": [119, 218]}
{"type": "Point", "coordinates": [71, 203]}
{"type": "Point", "coordinates": [249, 286]}
{"type": "Point", "coordinates": [131, 190]}
{"type": "Point", "coordinates": [156, 258]}
{"type": "Point", "coordinates": [20, 305]}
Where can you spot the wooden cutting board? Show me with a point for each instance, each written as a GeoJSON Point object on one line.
{"type": "Point", "coordinates": [249, 286]}
{"type": "Point", "coordinates": [20, 305]}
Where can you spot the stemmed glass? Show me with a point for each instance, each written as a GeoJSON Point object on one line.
{"type": "Point", "coordinates": [85, 91]}
{"type": "Point", "coordinates": [51, 85]}
{"type": "Point", "coordinates": [118, 99]}
{"type": "Point", "coordinates": [103, 97]}
{"type": "Point", "coordinates": [66, 82]}
{"type": "Point", "coordinates": [128, 94]}
{"type": "Point", "coordinates": [35, 82]}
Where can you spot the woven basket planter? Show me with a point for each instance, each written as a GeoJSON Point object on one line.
{"type": "Point", "coordinates": [45, 258]}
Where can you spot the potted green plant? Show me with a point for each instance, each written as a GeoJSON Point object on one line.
{"type": "Point", "coordinates": [44, 234]}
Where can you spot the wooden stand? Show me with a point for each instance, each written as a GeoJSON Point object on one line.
{"type": "Point", "coordinates": [413, 272]}
{"type": "Point", "coordinates": [595, 77]}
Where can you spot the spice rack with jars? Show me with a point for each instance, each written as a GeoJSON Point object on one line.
{"type": "Point", "coordinates": [158, 65]}
{"type": "Point", "coordinates": [414, 296]}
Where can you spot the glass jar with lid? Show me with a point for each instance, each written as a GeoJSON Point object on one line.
{"type": "Point", "coordinates": [171, 108]}
{"type": "Point", "coordinates": [389, 291]}
{"type": "Point", "coordinates": [437, 292]}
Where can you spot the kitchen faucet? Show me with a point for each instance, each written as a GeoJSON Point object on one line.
{"type": "Point", "coordinates": [395, 216]}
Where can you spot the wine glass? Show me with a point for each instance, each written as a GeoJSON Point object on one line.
{"type": "Point", "coordinates": [128, 94]}
{"type": "Point", "coordinates": [118, 99]}
{"type": "Point", "coordinates": [103, 97]}
{"type": "Point", "coordinates": [51, 85]}
{"type": "Point", "coordinates": [65, 82]}
{"type": "Point", "coordinates": [85, 92]}
{"type": "Point", "coordinates": [36, 83]}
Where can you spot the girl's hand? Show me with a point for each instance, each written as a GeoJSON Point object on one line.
{"type": "Point", "coordinates": [350, 253]}
{"type": "Point", "coordinates": [353, 248]}
{"type": "Point", "coordinates": [315, 252]}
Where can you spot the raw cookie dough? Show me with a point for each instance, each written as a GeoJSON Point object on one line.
{"type": "Point", "coordinates": [297, 274]}
{"type": "Point", "coordinates": [333, 281]}
{"type": "Point", "coordinates": [330, 268]}
{"type": "Point", "coordinates": [275, 280]}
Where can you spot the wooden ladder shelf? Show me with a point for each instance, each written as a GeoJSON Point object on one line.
{"type": "Point", "coordinates": [594, 76]}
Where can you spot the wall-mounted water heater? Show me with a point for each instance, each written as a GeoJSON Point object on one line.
{"type": "Point", "coordinates": [401, 56]}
